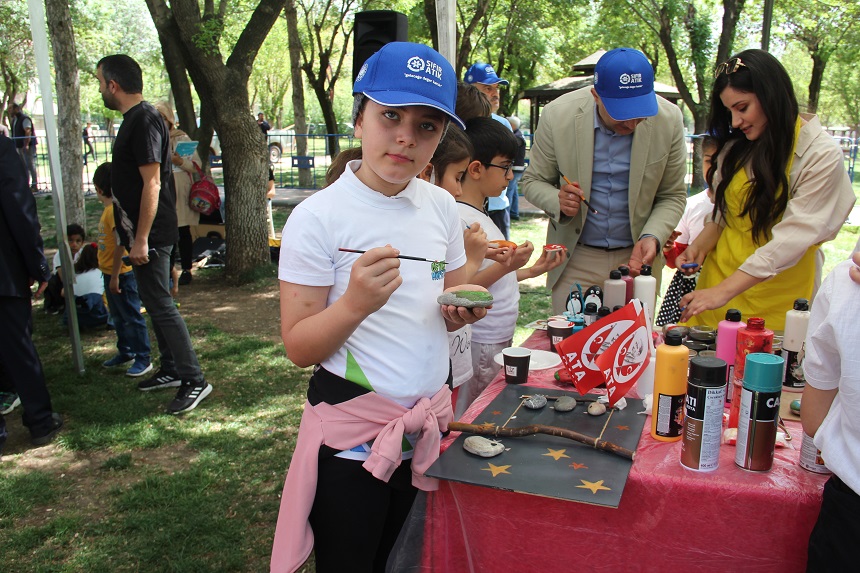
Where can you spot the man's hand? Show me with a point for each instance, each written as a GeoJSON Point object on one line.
{"type": "Point", "coordinates": [644, 253]}
{"type": "Point", "coordinates": [139, 253]}
{"type": "Point", "coordinates": [570, 199]}
{"type": "Point", "coordinates": [374, 277]}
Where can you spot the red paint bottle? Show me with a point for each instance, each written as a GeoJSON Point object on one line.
{"type": "Point", "coordinates": [628, 282]}
{"type": "Point", "coordinates": [754, 337]}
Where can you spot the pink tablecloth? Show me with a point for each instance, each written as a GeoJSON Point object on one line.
{"type": "Point", "coordinates": [669, 519]}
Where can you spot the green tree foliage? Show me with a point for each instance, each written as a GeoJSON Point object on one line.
{"type": "Point", "coordinates": [17, 66]}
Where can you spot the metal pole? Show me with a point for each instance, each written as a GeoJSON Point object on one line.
{"type": "Point", "coordinates": [445, 14]}
{"type": "Point", "coordinates": [767, 18]}
{"type": "Point", "coordinates": [40, 48]}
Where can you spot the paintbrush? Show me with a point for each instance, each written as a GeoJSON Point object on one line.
{"type": "Point", "coordinates": [398, 256]}
{"type": "Point", "coordinates": [587, 204]}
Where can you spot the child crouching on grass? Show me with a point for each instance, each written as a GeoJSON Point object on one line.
{"type": "Point", "coordinates": [831, 415]}
{"type": "Point", "coordinates": [370, 324]}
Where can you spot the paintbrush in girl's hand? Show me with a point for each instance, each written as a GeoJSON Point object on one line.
{"type": "Point", "coordinates": [587, 204]}
{"type": "Point", "coordinates": [398, 256]}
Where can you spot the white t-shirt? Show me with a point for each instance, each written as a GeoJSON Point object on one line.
{"type": "Point", "coordinates": [57, 262]}
{"type": "Point", "coordinates": [89, 282]}
{"type": "Point", "coordinates": [692, 222]}
{"type": "Point", "coordinates": [401, 350]}
{"type": "Point", "coordinates": [501, 320]}
{"type": "Point", "coordinates": [832, 362]}
{"type": "Point", "coordinates": [459, 350]}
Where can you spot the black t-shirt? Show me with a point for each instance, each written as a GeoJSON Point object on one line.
{"type": "Point", "coordinates": [142, 139]}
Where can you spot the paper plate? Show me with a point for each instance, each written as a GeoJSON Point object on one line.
{"type": "Point", "coordinates": [540, 360]}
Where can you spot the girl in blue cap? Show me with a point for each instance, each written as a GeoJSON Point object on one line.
{"type": "Point", "coordinates": [370, 324]}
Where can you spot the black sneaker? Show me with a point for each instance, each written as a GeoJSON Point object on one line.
{"type": "Point", "coordinates": [56, 424]}
{"type": "Point", "coordinates": [160, 379]}
{"type": "Point", "coordinates": [189, 396]}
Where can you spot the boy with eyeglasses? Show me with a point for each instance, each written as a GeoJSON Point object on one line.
{"type": "Point", "coordinates": [486, 176]}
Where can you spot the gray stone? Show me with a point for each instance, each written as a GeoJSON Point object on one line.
{"type": "Point", "coordinates": [565, 404]}
{"type": "Point", "coordinates": [596, 409]}
{"type": "Point", "coordinates": [466, 298]}
{"type": "Point", "coordinates": [536, 402]}
{"type": "Point", "coordinates": [483, 447]}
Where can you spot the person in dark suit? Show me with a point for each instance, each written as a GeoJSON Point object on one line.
{"type": "Point", "coordinates": [22, 263]}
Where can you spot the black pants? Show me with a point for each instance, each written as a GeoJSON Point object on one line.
{"type": "Point", "coordinates": [833, 542]}
{"type": "Point", "coordinates": [356, 518]}
{"type": "Point", "coordinates": [21, 364]}
{"type": "Point", "coordinates": [185, 247]}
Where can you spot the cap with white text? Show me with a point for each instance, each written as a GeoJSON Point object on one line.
{"type": "Point", "coordinates": [624, 80]}
{"type": "Point", "coordinates": [481, 73]}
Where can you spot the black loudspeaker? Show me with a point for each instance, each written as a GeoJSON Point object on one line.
{"type": "Point", "coordinates": [372, 30]}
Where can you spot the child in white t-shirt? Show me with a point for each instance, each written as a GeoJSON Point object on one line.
{"type": "Point", "coordinates": [370, 322]}
{"type": "Point", "coordinates": [89, 289]}
{"type": "Point", "coordinates": [488, 174]}
{"type": "Point", "coordinates": [831, 414]}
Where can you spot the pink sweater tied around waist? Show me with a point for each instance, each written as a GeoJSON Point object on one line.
{"type": "Point", "coordinates": [342, 426]}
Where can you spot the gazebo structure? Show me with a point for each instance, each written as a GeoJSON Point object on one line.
{"type": "Point", "coordinates": [583, 76]}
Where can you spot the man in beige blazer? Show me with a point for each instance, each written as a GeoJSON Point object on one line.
{"type": "Point", "coordinates": [622, 149]}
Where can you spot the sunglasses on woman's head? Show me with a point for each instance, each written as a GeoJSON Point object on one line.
{"type": "Point", "coordinates": [729, 67]}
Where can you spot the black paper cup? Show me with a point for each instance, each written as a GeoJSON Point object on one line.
{"type": "Point", "coordinates": [516, 364]}
{"type": "Point", "coordinates": [558, 330]}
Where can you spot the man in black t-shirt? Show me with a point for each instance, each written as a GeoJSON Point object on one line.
{"type": "Point", "coordinates": [145, 214]}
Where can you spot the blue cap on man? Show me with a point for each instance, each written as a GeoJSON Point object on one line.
{"type": "Point", "coordinates": [624, 80]}
{"type": "Point", "coordinates": [481, 73]}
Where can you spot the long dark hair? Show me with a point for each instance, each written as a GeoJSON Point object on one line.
{"type": "Point", "coordinates": [767, 156]}
{"type": "Point", "coordinates": [455, 146]}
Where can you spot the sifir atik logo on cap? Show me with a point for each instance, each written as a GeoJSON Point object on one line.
{"type": "Point", "coordinates": [626, 79]}
{"type": "Point", "coordinates": [423, 69]}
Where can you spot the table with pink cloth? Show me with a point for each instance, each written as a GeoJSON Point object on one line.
{"type": "Point", "coordinates": [669, 519]}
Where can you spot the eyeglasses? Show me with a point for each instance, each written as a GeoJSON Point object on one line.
{"type": "Point", "coordinates": [507, 167]}
{"type": "Point", "coordinates": [729, 67]}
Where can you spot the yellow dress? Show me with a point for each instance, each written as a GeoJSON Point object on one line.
{"type": "Point", "coordinates": [770, 299]}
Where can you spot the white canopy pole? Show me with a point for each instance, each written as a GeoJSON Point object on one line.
{"type": "Point", "coordinates": [40, 47]}
{"type": "Point", "coordinates": [446, 12]}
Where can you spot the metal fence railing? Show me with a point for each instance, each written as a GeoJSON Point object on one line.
{"type": "Point", "coordinates": [286, 160]}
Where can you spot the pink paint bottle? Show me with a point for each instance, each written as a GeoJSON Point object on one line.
{"type": "Point", "coordinates": [753, 338]}
{"type": "Point", "coordinates": [628, 282]}
{"type": "Point", "coordinates": [727, 336]}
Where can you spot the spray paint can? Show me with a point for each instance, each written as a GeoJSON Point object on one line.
{"type": "Point", "coordinates": [754, 337]}
{"type": "Point", "coordinates": [703, 423]}
{"type": "Point", "coordinates": [810, 457]}
{"type": "Point", "coordinates": [759, 411]}
{"type": "Point", "coordinates": [794, 339]}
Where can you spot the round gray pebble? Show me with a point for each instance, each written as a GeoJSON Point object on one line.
{"type": "Point", "coordinates": [565, 404]}
{"type": "Point", "coordinates": [536, 402]}
{"type": "Point", "coordinates": [484, 447]}
{"type": "Point", "coordinates": [596, 409]}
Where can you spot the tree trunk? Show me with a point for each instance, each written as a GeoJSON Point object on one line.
{"type": "Point", "coordinates": [818, 65]}
{"type": "Point", "coordinates": [68, 106]}
{"type": "Point", "coordinates": [174, 64]}
{"type": "Point", "coordinates": [306, 176]}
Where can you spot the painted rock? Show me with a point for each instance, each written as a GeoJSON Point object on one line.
{"type": "Point", "coordinates": [536, 402]}
{"type": "Point", "coordinates": [481, 446]}
{"type": "Point", "coordinates": [466, 298]}
{"type": "Point", "coordinates": [596, 409]}
{"type": "Point", "coordinates": [795, 407]}
{"type": "Point", "coordinates": [565, 404]}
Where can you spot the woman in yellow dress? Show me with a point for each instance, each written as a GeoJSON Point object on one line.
{"type": "Point", "coordinates": [781, 189]}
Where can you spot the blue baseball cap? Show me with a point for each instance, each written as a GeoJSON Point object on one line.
{"type": "Point", "coordinates": [624, 80]}
{"type": "Point", "coordinates": [481, 73]}
{"type": "Point", "coordinates": [403, 73]}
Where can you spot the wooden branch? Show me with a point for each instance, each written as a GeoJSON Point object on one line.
{"type": "Point", "coordinates": [497, 431]}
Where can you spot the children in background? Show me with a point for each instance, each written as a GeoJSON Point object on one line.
{"type": "Point", "coordinates": [446, 170]}
{"type": "Point", "coordinates": [471, 102]}
{"type": "Point", "coordinates": [120, 287]}
{"type": "Point", "coordinates": [371, 324]}
{"type": "Point", "coordinates": [54, 301]}
{"type": "Point", "coordinates": [692, 222]}
{"type": "Point", "coordinates": [488, 173]}
{"type": "Point", "coordinates": [89, 289]}
{"type": "Point", "coordinates": [831, 414]}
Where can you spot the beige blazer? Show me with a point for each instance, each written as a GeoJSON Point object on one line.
{"type": "Point", "coordinates": [565, 141]}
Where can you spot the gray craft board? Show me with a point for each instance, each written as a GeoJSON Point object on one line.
{"type": "Point", "coordinates": [534, 472]}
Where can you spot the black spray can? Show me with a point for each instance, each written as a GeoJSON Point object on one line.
{"type": "Point", "coordinates": [758, 416]}
{"type": "Point", "coordinates": [703, 423]}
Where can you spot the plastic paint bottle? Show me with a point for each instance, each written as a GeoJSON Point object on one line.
{"type": "Point", "coordinates": [794, 339]}
{"type": "Point", "coordinates": [645, 289]}
{"type": "Point", "coordinates": [590, 314]}
{"type": "Point", "coordinates": [603, 311]}
{"type": "Point", "coordinates": [670, 387]}
{"type": "Point", "coordinates": [727, 337]}
{"type": "Point", "coordinates": [759, 411]}
{"type": "Point", "coordinates": [578, 323]}
{"type": "Point", "coordinates": [628, 282]}
{"type": "Point", "coordinates": [754, 337]}
{"type": "Point", "coordinates": [614, 290]}
{"type": "Point", "coordinates": [594, 294]}
{"type": "Point", "coordinates": [703, 421]}
{"type": "Point", "coordinates": [645, 384]}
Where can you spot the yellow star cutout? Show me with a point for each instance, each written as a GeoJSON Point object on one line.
{"type": "Point", "coordinates": [556, 454]}
{"type": "Point", "coordinates": [594, 486]}
{"type": "Point", "coordinates": [496, 469]}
